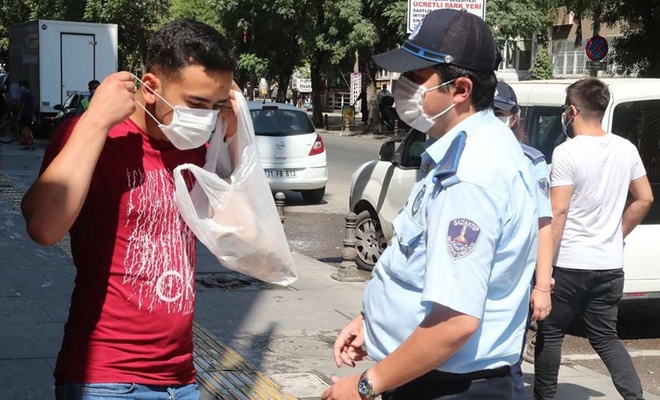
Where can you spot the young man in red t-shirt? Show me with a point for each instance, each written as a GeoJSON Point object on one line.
{"type": "Point", "coordinates": [107, 179]}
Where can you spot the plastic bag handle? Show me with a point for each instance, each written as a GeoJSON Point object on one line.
{"type": "Point", "coordinates": [197, 172]}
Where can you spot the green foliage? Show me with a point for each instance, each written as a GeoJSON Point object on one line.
{"type": "Point", "coordinates": [542, 68]}
{"type": "Point", "coordinates": [201, 10]}
{"type": "Point", "coordinates": [518, 19]}
{"type": "Point", "coordinates": [17, 11]}
{"type": "Point", "coordinates": [636, 51]}
{"type": "Point", "coordinates": [136, 20]}
{"type": "Point", "coordinates": [251, 65]}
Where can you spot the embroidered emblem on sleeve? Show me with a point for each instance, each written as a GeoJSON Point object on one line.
{"type": "Point", "coordinates": [418, 200]}
{"type": "Point", "coordinates": [544, 185]}
{"type": "Point", "coordinates": [462, 237]}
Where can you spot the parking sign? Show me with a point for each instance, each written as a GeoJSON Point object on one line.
{"type": "Point", "coordinates": [417, 9]}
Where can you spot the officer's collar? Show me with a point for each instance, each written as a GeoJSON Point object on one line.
{"type": "Point", "coordinates": [437, 149]}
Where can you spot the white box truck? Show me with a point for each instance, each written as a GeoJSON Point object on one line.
{"type": "Point", "coordinates": [59, 58]}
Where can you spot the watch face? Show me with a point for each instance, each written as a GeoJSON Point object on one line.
{"type": "Point", "coordinates": [363, 387]}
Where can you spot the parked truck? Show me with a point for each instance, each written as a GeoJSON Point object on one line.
{"type": "Point", "coordinates": [59, 58]}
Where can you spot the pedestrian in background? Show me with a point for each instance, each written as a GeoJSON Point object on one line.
{"type": "Point", "coordinates": [592, 175]}
{"type": "Point", "coordinates": [26, 115]}
{"type": "Point", "coordinates": [249, 91]}
{"type": "Point", "coordinates": [505, 107]}
{"type": "Point", "coordinates": [446, 309]}
{"type": "Point", "coordinates": [91, 88]}
{"type": "Point", "coordinates": [273, 92]}
{"type": "Point", "coordinates": [107, 180]}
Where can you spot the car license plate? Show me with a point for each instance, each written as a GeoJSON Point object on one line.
{"type": "Point", "coordinates": [280, 173]}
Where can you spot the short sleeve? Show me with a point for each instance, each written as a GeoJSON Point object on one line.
{"type": "Point", "coordinates": [563, 171]}
{"type": "Point", "coordinates": [462, 234]}
{"type": "Point", "coordinates": [638, 166]}
{"type": "Point", "coordinates": [542, 178]}
{"type": "Point", "coordinates": [57, 141]}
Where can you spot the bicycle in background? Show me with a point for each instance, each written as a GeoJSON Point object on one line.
{"type": "Point", "coordinates": [10, 129]}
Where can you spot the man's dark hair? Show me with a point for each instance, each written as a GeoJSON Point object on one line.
{"type": "Point", "coordinates": [384, 87]}
{"type": "Point", "coordinates": [93, 83]}
{"type": "Point", "coordinates": [24, 83]}
{"type": "Point", "coordinates": [483, 83]}
{"type": "Point", "coordinates": [187, 42]}
{"type": "Point", "coordinates": [591, 96]}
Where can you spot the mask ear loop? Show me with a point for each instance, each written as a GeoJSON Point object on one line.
{"type": "Point", "coordinates": [154, 92]}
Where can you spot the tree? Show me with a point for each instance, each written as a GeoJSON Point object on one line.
{"type": "Point", "coordinates": [17, 11]}
{"type": "Point", "coordinates": [136, 21]}
{"type": "Point", "coordinates": [338, 28]}
{"type": "Point", "coordinates": [205, 11]}
{"type": "Point", "coordinates": [267, 38]}
{"type": "Point", "coordinates": [518, 19]}
{"type": "Point", "coordinates": [635, 51]}
{"type": "Point", "coordinates": [542, 68]}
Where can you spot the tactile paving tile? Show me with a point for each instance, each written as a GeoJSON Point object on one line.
{"type": "Point", "coordinates": [226, 374]}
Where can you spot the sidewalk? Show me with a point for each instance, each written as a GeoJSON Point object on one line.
{"type": "Point", "coordinates": [284, 333]}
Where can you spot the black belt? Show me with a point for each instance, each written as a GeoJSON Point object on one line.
{"type": "Point", "coordinates": [442, 376]}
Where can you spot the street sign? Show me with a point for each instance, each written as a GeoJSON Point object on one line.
{"type": "Point", "coordinates": [596, 48]}
{"type": "Point", "coordinates": [596, 65]}
{"type": "Point", "coordinates": [417, 9]}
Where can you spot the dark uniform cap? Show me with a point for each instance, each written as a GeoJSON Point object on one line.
{"type": "Point", "coordinates": [505, 97]}
{"type": "Point", "coordinates": [445, 37]}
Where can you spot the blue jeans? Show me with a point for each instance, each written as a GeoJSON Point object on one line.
{"type": "Point", "coordinates": [132, 391]}
{"type": "Point", "coordinates": [595, 295]}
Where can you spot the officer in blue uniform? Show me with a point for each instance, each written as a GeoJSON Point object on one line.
{"type": "Point", "coordinates": [446, 310]}
{"type": "Point", "coordinates": [505, 107]}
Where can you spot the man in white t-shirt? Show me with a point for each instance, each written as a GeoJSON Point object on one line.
{"type": "Point", "coordinates": [592, 175]}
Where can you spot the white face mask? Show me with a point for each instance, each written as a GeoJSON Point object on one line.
{"type": "Point", "coordinates": [505, 119]}
{"type": "Point", "coordinates": [409, 99]}
{"type": "Point", "coordinates": [190, 127]}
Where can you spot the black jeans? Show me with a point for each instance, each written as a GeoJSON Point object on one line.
{"type": "Point", "coordinates": [490, 384]}
{"type": "Point", "coordinates": [595, 295]}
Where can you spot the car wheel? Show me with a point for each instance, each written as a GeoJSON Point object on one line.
{"type": "Point", "coordinates": [370, 240]}
{"type": "Point", "coordinates": [313, 196]}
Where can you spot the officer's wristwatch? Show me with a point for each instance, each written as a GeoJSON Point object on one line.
{"type": "Point", "coordinates": [364, 387]}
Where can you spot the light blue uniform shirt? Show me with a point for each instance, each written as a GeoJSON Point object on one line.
{"type": "Point", "coordinates": [466, 239]}
{"type": "Point", "coordinates": [542, 177]}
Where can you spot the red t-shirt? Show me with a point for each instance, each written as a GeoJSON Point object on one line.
{"type": "Point", "coordinates": [132, 307]}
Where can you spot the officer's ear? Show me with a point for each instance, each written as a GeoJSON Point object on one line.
{"type": "Point", "coordinates": [462, 89]}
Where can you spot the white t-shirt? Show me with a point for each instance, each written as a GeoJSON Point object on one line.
{"type": "Point", "coordinates": [600, 169]}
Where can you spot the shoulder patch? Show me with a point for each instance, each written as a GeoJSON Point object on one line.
{"type": "Point", "coordinates": [533, 154]}
{"type": "Point", "coordinates": [544, 185]}
{"type": "Point", "coordinates": [462, 237]}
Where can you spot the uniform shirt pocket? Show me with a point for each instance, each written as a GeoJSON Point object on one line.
{"type": "Point", "coordinates": [407, 259]}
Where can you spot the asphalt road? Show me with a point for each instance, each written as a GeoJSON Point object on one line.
{"type": "Point", "coordinates": [318, 230]}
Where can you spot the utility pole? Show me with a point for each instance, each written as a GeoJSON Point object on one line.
{"type": "Point", "coordinates": [596, 30]}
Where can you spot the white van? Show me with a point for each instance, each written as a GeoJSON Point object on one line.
{"type": "Point", "coordinates": [379, 188]}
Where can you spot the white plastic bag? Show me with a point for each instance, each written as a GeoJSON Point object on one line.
{"type": "Point", "coordinates": [231, 209]}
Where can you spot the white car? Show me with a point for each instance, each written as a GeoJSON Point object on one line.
{"type": "Point", "coordinates": [380, 188]}
{"type": "Point", "coordinates": [291, 151]}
